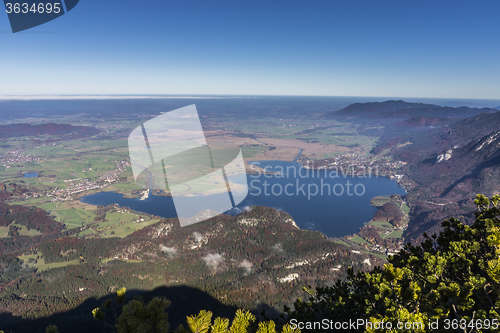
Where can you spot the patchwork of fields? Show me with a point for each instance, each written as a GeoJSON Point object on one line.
{"type": "Point", "coordinates": [68, 169]}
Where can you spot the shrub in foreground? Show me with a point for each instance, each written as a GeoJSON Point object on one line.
{"type": "Point", "coordinates": [450, 282]}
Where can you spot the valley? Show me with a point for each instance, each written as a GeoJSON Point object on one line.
{"type": "Point", "coordinates": [441, 156]}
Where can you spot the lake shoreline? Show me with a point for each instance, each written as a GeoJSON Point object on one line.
{"type": "Point", "coordinates": [325, 204]}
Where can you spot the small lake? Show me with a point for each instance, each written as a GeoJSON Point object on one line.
{"type": "Point", "coordinates": [329, 201]}
{"type": "Point", "coordinates": [31, 175]}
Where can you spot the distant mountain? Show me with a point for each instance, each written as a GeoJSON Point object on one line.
{"type": "Point", "coordinates": [371, 108]}
{"type": "Point", "coordinates": [19, 130]}
{"type": "Point", "coordinates": [403, 110]}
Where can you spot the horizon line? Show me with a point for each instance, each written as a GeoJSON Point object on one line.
{"type": "Point", "coordinates": [197, 96]}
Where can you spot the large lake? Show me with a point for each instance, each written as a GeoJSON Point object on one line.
{"type": "Point", "coordinates": [324, 200]}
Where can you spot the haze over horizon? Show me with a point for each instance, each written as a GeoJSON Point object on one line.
{"type": "Point", "coordinates": [323, 48]}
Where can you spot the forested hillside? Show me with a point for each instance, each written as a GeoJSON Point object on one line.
{"type": "Point", "coordinates": [257, 258]}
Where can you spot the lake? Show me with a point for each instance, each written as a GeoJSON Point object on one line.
{"type": "Point", "coordinates": [31, 175]}
{"type": "Point", "coordinates": [331, 202]}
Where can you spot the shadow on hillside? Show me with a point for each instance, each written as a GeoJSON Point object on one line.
{"type": "Point", "coordinates": [473, 175]}
{"type": "Point", "coordinates": [185, 301]}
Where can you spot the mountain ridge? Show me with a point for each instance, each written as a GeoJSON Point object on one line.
{"type": "Point", "coordinates": [394, 109]}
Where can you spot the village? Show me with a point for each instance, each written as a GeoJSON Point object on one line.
{"type": "Point", "coordinates": [360, 166]}
{"type": "Point", "coordinates": [76, 186]}
{"type": "Point", "coordinates": [15, 158]}
{"type": "Point", "coordinates": [73, 186]}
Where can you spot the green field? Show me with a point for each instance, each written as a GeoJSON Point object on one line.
{"type": "Point", "coordinates": [23, 231]}
{"type": "Point", "coordinates": [252, 151]}
{"type": "Point", "coordinates": [358, 239]}
{"type": "Point", "coordinates": [91, 166]}
{"type": "Point", "coordinates": [381, 224]}
{"type": "Point", "coordinates": [4, 231]}
{"type": "Point", "coordinates": [395, 234]}
{"type": "Point", "coordinates": [339, 241]}
{"type": "Point", "coordinates": [87, 232]}
{"type": "Point", "coordinates": [302, 127]}
{"type": "Point", "coordinates": [376, 254]}
{"type": "Point", "coordinates": [73, 214]}
{"type": "Point", "coordinates": [73, 217]}
{"type": "Point", "coordinates": [42, 266]}
{"type": "Point", "coordinates": [29, 202]}
{"type": "Point", "coordinates": [72, 159]}
{"type": "Point", "coordinates": [124, 188]}
{"type": "Point", "coordinates": [379, 201]}
{"type": "Point", "coordinates": [121, 230]}
{"type": "Point", "coordinates": [405, 209]}
{"type": "Point", "coordinates": [120, 223]}
{"type": "Point", "coordinates": [48, 206]}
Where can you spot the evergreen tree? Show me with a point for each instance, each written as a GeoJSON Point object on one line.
{"type": "Point", "coordinates": [243, 322]}
{"type": "Point", "coordinates": [150, 318]}
{"type": "Point", "coordinates": [135, 317]}
{"type": "Point", "coordinates": [49, 329]}
{"type": "Point", "coordinates": [450, 282]}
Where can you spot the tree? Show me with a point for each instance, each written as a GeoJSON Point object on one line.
{"type": "Point", "coordinates": [243, 322]}
{"type": "Point", "coordinates": [450, 282]}
{"type": "Point", "coordinates": [50, 329]}
{"type": "Point", "coordinates": [135, 316]}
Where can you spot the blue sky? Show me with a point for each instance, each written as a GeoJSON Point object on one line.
{"type": "Point", "coordinates": [448, 49]}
